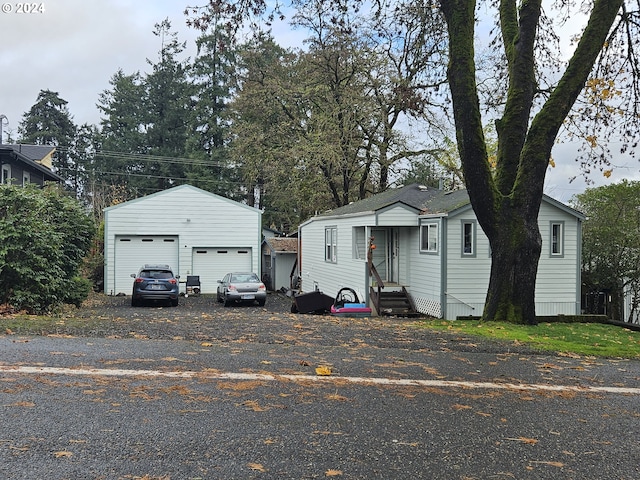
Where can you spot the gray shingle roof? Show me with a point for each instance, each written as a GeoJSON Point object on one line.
{"type": "Point", "coordinates": [422, 199]}
{"type": "Point", "coordinates": [425, 200]}
{"type": "Point", "coordinates": [34, 153]}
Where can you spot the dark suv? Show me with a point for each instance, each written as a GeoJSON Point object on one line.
{"type": "Point", "coordinates": [155, 282]}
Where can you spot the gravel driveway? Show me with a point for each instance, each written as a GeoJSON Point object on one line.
{"type": "Point", "coordinates": [202, 318]}
{"type": "Point", "coordinates": [65, 424]}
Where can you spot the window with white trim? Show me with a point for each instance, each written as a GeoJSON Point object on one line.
{"type": "Point", "coordinates": [557, 239]}
{"type": "Point", "coordinates": [26, 178]}
{"type": "Point", "coordinates": [429, 238]}
{"type": "Point", "coordinates": [6, 174]}
{"type": "Point", "coordinates": [331, 244]}
{"type": "Point", "coordinates": [468, 238]}
{"type": "Point", "coordinates": [359, 244]}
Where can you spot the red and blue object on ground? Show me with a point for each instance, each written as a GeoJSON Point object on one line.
{"type": "Point", "coordinates": [347, 304]}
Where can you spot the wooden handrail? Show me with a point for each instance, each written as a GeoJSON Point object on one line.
{"type": "Point", "coordinates": [373, 294]}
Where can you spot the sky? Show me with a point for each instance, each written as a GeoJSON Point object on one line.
{"type": "Point", "coordinates": [74, 47]}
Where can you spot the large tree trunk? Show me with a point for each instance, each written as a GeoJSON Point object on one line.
{"type": "Point", "coordinates": [507, 200]}
{"type": "Point", "coordinates": [515, 249]}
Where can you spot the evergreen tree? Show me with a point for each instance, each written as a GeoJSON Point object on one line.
{"type": "Point", "coordinates": [167, 108]}
{"type": "Point", "coordinates": [48, 122]}
{"type": "Point", "coordinates": [123, 135]}
{"type": "Point", "coordinates": [213, 74]}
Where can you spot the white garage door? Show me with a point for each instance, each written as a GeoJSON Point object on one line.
{"type": "Point", "coordinates": [133, 251]}
{"type": "Point", "coordinates": [211, 264]}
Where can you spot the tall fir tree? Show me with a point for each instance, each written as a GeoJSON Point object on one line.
{"type": "Point", "coordinates": [48, 122]}
{"type": "Point", "coordinates": [213, 73]}
{"type": "Point", "coordinates": [167, 106]}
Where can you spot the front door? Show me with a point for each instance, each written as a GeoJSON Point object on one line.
{"type": "Point", "coordinates": [385, 255]}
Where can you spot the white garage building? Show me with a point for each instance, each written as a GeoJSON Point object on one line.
{"type": "Point", "coordinates": [194, 231]}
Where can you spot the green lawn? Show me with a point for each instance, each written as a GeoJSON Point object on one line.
{"type": "Point", "coordinates": [571, 338]}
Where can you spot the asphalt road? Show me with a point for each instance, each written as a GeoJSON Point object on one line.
{"type": "Point", "coordinates": [204, 392]}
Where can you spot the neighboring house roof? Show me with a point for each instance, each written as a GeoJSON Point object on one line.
{"type": "Point", "coordinates": [425, 200]}
{"type": "Point", "coordinates": [35, 157]}
{"type": "Point", "coordinates": [282, 245]}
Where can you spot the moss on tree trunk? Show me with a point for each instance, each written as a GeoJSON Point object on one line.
{"type": "Point", "coordinates": [515, 250]}
{"type": "Point", "coordinates": [507, 200]}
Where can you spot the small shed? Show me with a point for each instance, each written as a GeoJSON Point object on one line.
{"type": "Point", "coordinates": [196, 232]}
{"type": "Point", "coordinates": [278, 261]}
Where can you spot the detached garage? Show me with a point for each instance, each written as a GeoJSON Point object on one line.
{"type": "Point", "coordinates": [194, 231]}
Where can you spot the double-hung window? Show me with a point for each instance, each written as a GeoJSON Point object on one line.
{"type": "Point", "coordinates": [331, 244]}
{"type": "Point", "coordinates": [6, 173]}
{"type": "Point", "coordinates": [468, 238]}
{"type": "Point", "coordinates": [557, 239]}
{"type": "Point", "coordinates": [429, 238]}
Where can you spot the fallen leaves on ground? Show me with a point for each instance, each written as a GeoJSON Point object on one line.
{"type": "Point", "coordinates": [149, 477]}
{"type": "Point", "coordinates": [254, 405]}
{"type": "Point", "coordinates": [257, 467]}
{"type": "Point", "coordinates": [323, 371]}
{"type": "Point", "coordinates": [552, 464]}
{"type": "Point", "coordinates": [63, 454]}
{"type": "Point", "coordinates": [336, 396]}
{"type": "Point", "coordinates": [332, 473]}
{"type": "Point", "coordinates": [21, 404]}
{"type": "Point", "coordinates": [241, 385]}
{"type": "Point", "coordinates": [529, 441]}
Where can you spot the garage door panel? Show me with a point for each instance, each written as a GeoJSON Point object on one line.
{"type": "Point", "coordinates": [211, 264]}
{"type": "Point", "coordinates": [131, 252]}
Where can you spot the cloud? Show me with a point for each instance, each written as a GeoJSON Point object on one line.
{"type": "Point", "coordinates": [74, 48]}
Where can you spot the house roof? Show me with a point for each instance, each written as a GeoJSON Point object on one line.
{"type": "Point", "coordinates": [420, 198]}
{"type": "Point", "coordinates": [282, 245]}
{"type": "Point", "coordinates": [31, 155]}
{"type": "Point", "coordinates": [425, 200]}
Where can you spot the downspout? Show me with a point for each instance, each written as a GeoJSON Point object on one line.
{"type": "Point", "coordinates": [579, 268]}
{"type": "Point", "coordinates": [443, 268]}
{"type": "Point", "coordinates": [367, 276]}
{"type": "Point", "coordinates": [105, 256]}
{"type": "Point", "coordinates": [259, 252]}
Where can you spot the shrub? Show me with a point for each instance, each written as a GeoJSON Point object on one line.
{"type": "Point", "coordinates": [44, 235]}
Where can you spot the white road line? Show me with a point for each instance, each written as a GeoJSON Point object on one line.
{"type": "Point", "coordinates": [109, 372]}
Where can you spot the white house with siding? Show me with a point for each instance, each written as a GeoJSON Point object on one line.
{"type": "Point", "coordinates": [429, 242]}
{"type": "Point", "coordinates": [194, 231]}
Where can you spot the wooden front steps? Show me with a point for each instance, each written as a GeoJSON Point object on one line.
{"type": "Point", "coordinates": [396, 303]}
